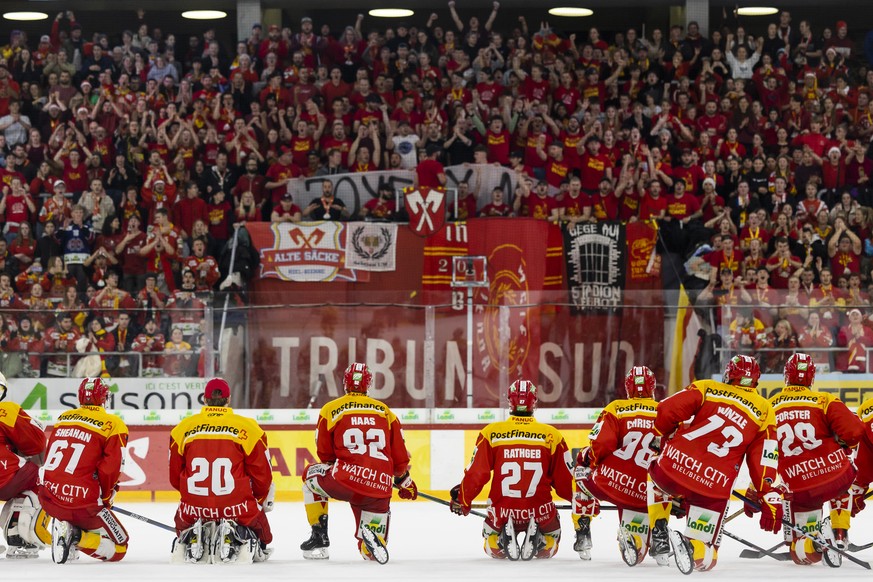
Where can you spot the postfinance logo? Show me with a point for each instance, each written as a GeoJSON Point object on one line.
{"type": "Point", "coordinates": [637, 526]}
{"type": "Point", "coordinates": [703, 523]}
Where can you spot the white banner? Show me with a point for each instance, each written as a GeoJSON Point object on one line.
{"type": "Point", "coordinates": [371, 246]}
{"type": "Point", "coordinates": [356, 189]}
{"type": "Point", "coordinates": [125, 393]}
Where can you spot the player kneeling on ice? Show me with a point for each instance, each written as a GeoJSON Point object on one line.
{"type": "Point", "coordinates": [220, 464]}
{"type": "Point", "coordinates": [814, 431]}
{"type": "Point", "coordinates": [615, 468]}
{"type": "Point", "coordinates": [528, 459]}
{"type": "Point", "coordinates": [81, 471]}
{"type": "Point", "coordinates": [852, 501]}
{"type": "Point", "coordinates": [708, 429]}
{"type": "Point", "coordinates": [25, 524]}
{"type": "Point", "coordinates": [360, 444]}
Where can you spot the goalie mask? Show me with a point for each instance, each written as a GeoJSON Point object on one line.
{"type": "Point", "coordinates": [522, 397]}
{"type": "Point", "coordinates": [93, 392]}
{"type": "Point", "coordinates": [639, 382]}
{"type": "Point", "coordinates": [799, 370]}
{"type": "Point", "coordinates": [742, 371]}
{"type": "Point", "coordinates": [357, 378]}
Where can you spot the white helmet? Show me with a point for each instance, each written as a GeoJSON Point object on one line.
{"type": "Point", "coordinates": [3, 386]}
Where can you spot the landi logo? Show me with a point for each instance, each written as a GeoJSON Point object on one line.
{"type": "Point", "coordinates": [264, 416]}
{"type": "Point", "coordinates": [446, 415]}
{"type": "Point", "coordinates": [703, 523]}
{"type": "Point", "coordinates": [152, 416]}
{"type": "Point", "coordinates": [302, 416]}
{"type": "Point", "coordinates": [561, 415]}
{"type": "Point", "coordinates": [45, 417]}
{"type": "Point", "coordinates": [487, 415]}
{"type": "Point", "coordinates": [411, 415]}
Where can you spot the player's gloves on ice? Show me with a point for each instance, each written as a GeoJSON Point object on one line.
{"type": "Point", "coordinates": [407, 488]}
{"type": "Point", "coordinates": [456, 506]}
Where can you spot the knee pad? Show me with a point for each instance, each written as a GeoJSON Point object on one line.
{"type": "Point", "coordinates": [803, 552]}
{"type": "Point", "coordinates": [312, 490]}
{"type": "Point", "coordinates": [638, 524]}
{"type": "Point", "coordinates": [704, 524]}
{"type": "Point", "coordinates": [378, 523]}
{"type": "Point", "coordinates": [552, 540]}
{"type": "Point", "coordinates": [705, 555]}
{"type": "Point", "coordinates": [24, 517]}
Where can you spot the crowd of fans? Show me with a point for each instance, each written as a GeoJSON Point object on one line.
{"type": "Point", "coordinates": [127, 160]}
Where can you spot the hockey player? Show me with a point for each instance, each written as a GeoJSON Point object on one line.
{"type": "Point", "coordinates": [360, 445]}
{"type": "Point", "coordinates": [814, 431]}
{"type": "Point", "coordinates": [852, 501]}
{"type": "Point", "coordinates": [615, 467]}
{"type": "Point", "coordinates": [220, 463]}
{"type": "Point", "coordinates": [25, 524]}
{"type": "Point", "coordinates": [82, 467]}
{"type": "Point", "coordinates": [528, 459]}
{"type": "Point", "coordinates": [699, 461]}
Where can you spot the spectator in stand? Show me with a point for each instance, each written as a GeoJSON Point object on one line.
{"type": "Point", "coordinates": [814, 338]}
{"type": "Point", "coordinates": [190, 208]}
{"type": "Point", "coordinates": [150, 344]}
{"type": "Point", "coordinates": [203, 267]}
{"type": "Point", "coordinates": [177, 355]}
{"type": "Point", "coordinates": [844, 250]}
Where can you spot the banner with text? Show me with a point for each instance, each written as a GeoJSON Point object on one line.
{"type": "Point", "coordinates": [595, 256]}
{"type": "Point", "coordinates": [124, 393]}
{"type": "Point", "coordinates": [371, 246]}
{"type": "Point", "coordinates": [305, 251]}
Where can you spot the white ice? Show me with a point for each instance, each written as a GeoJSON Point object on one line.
{"type": "Point", "coordinates": [426, 542]}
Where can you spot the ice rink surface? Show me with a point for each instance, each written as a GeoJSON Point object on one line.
{"type": "Point", "coordinates": [426, 542]}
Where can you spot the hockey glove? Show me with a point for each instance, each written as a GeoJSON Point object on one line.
{"type": "Point", "coordinates": [456, 506]}
{"type": "Point", "coordinates": [856, 495]}
{"type": "Point", "coordinates": [585, 506]}
{"type": "Point", "coordinates": [771, 511]}
{"type": "Point", "coordinates": [752, 495]}
{"type": "Point", "coordinates": [407, 489]}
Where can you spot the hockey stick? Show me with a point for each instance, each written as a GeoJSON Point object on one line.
{"type": "Point", "coordinates": [753, 555]}
{"type": "Point", "coordinates": [817, 539]}
{"type": "Point", "coordinates": [758, 550]}
{"type": "Point", "coordinates": [446, 503]}
{"type": "Point", "coordinates": [143, 518]}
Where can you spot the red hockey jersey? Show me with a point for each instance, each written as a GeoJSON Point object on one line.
{"type": "Point", "coordinates": [364, 441]}
{"type": "Point", "coordinates": [620, 450]}
{"type": "Point", "coordinates": [220, 463]}
{"type": "Point", "coordinates": [528, 459]}
{"type": "Point", "coordinates": [727, 423]}
{"type": "Point", "coordinates": [83, 462]}
{"type": "Point", "coordinates": [810, 458]}
{"type": "Point", "coordinates": [20, 436]}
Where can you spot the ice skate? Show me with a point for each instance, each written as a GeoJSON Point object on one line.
{"type": "Point", "coordinates": [374, 545]}
{"type": "Point", "coordinates": [507, 542]}
{"type": "Point", "coordinates": [315, 548]}
{"type": "Point", "coordinates": [583, 544]}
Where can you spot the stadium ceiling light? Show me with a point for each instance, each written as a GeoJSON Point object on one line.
{"type": "Point", "coordinates": [391, 12]}
{"type": "Point", "coordinates": [25, 16]}
{"type": "Point", "coordinates": [204, 14]}
{"type": "Point", "coordinates": [571, 11]}
{"type": "Point", "coordinates": [757, 10]}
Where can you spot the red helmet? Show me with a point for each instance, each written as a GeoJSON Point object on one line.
{"type": "Point", "coordinates": [742, 371]}
{"type": "Point", "coordinates": [357, 378]}
{"type": "Point", "coordinates": [522, 396]}
{"type": "Point", "coordinates": [799, 370]}
{"type": "Point", "coordinates": [639, 382]}
{"type": "Point", "coordinates": [93, 391]}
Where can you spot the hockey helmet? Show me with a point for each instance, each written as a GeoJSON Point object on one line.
{"type": "Point", "coordinates": [522, 396]}
{"type": "Point", "coordinates": [742, 371]}
{"type": "Point", "coordinates": [93, 392]}
{"type": "Point", "coordinates": [3, 386]}
{"type": "Point", "coordinates": [639, 382]}
{"type": "Point", "coordinates": [357, 378]}
{"type": "Point", "coordinates": [799, 370]}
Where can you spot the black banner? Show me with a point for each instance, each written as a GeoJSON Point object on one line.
{"type": "Point", "coordinates": [595, 255]}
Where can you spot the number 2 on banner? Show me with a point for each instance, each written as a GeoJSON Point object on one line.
{"type": "Point", "coordinates": [731, 433]}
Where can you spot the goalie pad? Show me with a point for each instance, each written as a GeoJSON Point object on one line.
{"type": "Point", "coordinates": [24, 518]}
{"type": "Point", "coordinates": [704, 524]}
